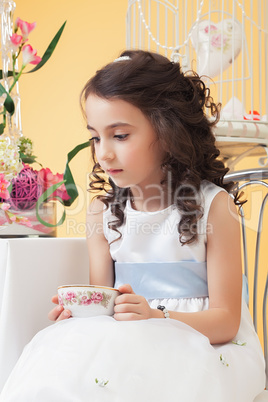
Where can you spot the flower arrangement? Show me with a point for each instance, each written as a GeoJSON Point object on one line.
{"type": "Point", "coordinates": [10, 162]}
{"type": "Point", "coordinates": [25, 188]}
{"type": "Point", "coordinates": [20, 185]}
{"type": "Point", "coordinates": [17, 44]}
{"type": "Point", "coordinates": [4, 206]}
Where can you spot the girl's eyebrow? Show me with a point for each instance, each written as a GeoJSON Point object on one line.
{"type": "Point", "coordinates": [114, 125]}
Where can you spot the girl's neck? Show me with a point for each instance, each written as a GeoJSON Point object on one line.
{"type": "Point", "coordinates": [149, 200]}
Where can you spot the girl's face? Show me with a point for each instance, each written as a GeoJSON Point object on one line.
{"type": "Point", "coordinates": [125, 143]}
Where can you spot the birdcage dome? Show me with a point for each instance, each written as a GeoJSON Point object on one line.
{"type": "Point", "coordinates": [226, 41]}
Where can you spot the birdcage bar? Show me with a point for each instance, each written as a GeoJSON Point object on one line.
{"type": "Point", "coordinates": [243, 63]}
{"type": "Point", "coordinates": [266, 56]}
{"type": "Point", "coordinates": [176, 26]}
{"type": "Point", "coordinates": [149, 23]}
{"type": "Point", "coordinates": [260, 58]}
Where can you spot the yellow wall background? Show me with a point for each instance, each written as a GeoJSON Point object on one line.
{"type": "Point", "coordinates": [51, 116]}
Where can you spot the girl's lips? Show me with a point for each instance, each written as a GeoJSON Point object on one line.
{"type": "Point", "coordinates": [114, 171]}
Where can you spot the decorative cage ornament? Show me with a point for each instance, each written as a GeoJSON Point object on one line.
{"type": "Point", "coordinates": [225, 40]}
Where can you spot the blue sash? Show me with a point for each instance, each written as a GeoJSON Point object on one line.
{"type": "Point", "coordinates": [160, 280]}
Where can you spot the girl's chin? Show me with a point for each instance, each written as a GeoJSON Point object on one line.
{"type": "Point", "coordinates": [120, 183]}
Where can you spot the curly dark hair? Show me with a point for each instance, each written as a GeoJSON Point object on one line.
{"type": "Point", "coordinates": [176, 105]}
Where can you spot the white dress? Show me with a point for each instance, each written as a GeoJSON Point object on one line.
{"type": "Point", "coordinates": [158, 360]}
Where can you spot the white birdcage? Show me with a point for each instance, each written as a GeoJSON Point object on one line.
{"type": "Point", "coordinates": [226, 40]}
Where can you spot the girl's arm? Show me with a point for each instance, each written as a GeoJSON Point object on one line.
{"type": "Point", "coordinates": [221, 321]}
{"type": "Point", "coordinates": [100, 261]}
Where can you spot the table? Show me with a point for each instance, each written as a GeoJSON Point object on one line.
{"type": "Point", "coordinates": [31, 269]}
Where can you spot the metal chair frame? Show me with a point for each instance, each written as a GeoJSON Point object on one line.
{"type": "Point", "coordinates": [248, 178]}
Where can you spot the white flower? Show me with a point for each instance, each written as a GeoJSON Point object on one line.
{"type": "Point", "coordinates": [10, 162]}
{"type": "Point", "coordinates": [101, 382]}
{"type": "Point", "coordinates": [25, 146]}
{"type": "Point", "coordinates": [223, 360]}
{"type": "Point", "coordinates": [239, 343]}
{"type": "Point", "coordinates": [28, 149]}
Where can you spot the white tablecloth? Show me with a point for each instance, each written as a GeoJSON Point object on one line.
{"type": "Point", "coordinates": [31, 269]}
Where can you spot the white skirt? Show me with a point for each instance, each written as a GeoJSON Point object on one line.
{"type": "Point", "coordinates": [100, 359]}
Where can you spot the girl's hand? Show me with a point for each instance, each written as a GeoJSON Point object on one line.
{"type": "Point", "coordinates": [58, 313]}
{"type": "Point", "coordinates": [129, 306]}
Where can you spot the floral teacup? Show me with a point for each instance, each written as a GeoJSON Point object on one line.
{"type": "Point", "coordinates": [87, 300]}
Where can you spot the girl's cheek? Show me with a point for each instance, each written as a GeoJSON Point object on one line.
{"type": "Point", "coordinates": [97, 156]}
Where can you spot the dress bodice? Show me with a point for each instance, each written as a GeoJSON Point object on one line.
{"type": "Point", "coordinates": [150, 256]}
{"type": "Point", "coordinates": [154, 237]}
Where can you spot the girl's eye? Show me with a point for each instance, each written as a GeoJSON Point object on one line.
{"type": "Point", "coordinates": [121, 137]}
{"type": "Point", "coordinates": [95, 139]}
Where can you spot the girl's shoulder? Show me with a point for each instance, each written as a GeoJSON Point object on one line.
{"type": "Point", "coordinates": [95, 211]}
{"type": "Point", "coordinates": [219, 206]}
{"type": "Point", "coordinates": [208, 192]}
{"type": "Point", "coordinates": [208, 188]}
{"type": "Point", "coordinates": [211, 195]}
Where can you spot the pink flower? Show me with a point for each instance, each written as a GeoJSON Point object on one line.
{"type": "Point", "coordinates": [25, 27]}
{"type": "Point", "coordinates": [16, 41]}
{"type": "Point", "coordinates": [22, 220]}
{"type": "Point", "coordinates": [3, 187]}
{"type": "Point", "coordinates": [29, 55]}
{"type": "Point", "coordinates": [25, 221]}
{"type": "Point", "coordinates": [70, 296]}
{"type": "Point", "coordinates": [97, 297]}
{"type": "Point", "coordinates": [85, 301]}
{"type": "Point", "coordinates": [218, 41]}
{"type": "Point", "coordinates": [210, 28]}
{"type": "Point", "coordinates": [47, 179]}
{"type": "Point", "coordinates": [5, 206]}
{"type": "Point", "coordinates": [60, 300]}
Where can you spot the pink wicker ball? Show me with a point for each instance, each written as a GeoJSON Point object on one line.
{"type": "Point", "coordinates": [26, 189]}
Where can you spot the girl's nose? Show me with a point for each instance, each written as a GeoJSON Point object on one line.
{"type": "Point", "coordinates": [105, 152]}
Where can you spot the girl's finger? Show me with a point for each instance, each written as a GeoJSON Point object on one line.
{"type": "Point", "coordinates": [55, 313]}
{"type": "Point", "coordinates": [128, 298]}
{"type": "Point", "coordinates": [58, 313]}
{"type": "Point", "coordinates": [126, 289]}
{"type": "Point", "coordinates": [127, 317]}
{"type": "Point", "coordinates": [55, 299]}
{"type": "Point", "coordinates": [127, 308]}
{"type": "Point", "coordinates": [64, 315]}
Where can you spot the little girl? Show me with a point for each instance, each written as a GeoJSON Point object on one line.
{"type": "Point", "coordinates": [165, 231]}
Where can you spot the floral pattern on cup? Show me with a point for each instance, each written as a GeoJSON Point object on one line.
{"type": "Point", "coordinates": [85, 298]}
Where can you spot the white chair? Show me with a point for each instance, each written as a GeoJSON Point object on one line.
{"type": "Point", "coordinates": [31, 269]}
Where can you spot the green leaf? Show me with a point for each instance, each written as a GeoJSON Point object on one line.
{"type": "Point", "coordinates": [69, 184]}
{"type": "Point", "coordinates": [43, 197]}
{"type": "Point", "coordinates": [9, 74]}
{"type": "Point", "coordinates": [68, 177]}
{"type": "Point", "coordinates": [50, 49]}
{"type": "Point", "coordinates": [10, 187]}
{"type": "Point", "coordinates": [9, 104]}
{"type": "Point", "coordinates": [27, 159]}
{"type": "Point", "coordinates": [2, 127]}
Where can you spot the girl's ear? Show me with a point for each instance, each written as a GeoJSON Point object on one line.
{"type": "Point", "coordinates": [166, 159]}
